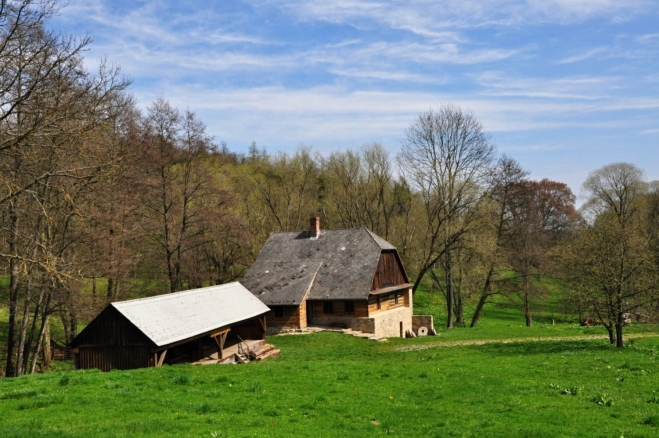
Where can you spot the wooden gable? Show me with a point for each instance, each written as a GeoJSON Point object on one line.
{"type": "Point", "coordinates": [110, 327]}
{"type": "Point", "coordinates": [389, 271]}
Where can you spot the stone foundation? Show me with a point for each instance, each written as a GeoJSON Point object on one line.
{"type": "Point", "coordinates": [388, 323]}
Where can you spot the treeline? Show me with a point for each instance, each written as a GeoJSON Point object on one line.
{"type": "Point", "coordinates": [102, 202]}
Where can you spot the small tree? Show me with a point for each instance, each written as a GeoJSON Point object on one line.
{"type": "Point", "coordinates": [611, 261]}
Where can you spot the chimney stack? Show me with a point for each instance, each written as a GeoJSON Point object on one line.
{"type": "Point", "coordinates": [314, 227]}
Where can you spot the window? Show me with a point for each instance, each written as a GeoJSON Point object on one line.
{"type": "Point", "coordinates": [396, 298]}
{"type": "Point", "coordinates": [279, 311]}
{"type": "Point", "coordinates": [328, 307]}
{"type": "Point", "coordinates": [349, 307]}
{"type": "Point", "coordinates": [379, 302]}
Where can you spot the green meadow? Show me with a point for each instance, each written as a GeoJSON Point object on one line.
{"type": "Point", "coordinates": [334, 385]}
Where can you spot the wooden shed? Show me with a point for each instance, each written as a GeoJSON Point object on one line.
{"type": "Point", "coordinates": [348, 278]}
{"type": "Point", "coordinates": [171, 328]}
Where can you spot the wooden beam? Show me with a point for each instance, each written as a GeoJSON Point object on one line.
{"type": "Point", "coordinates": [162, 358]}
{"type": "Point", "coordinates": [220, 343]}
{"type": "Point", "coordinates": [221, 332]}
{"type": "Point", "coordinates": [386, 290]}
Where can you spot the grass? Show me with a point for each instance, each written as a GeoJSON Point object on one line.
{"type": "Point", "coordinates": [333, 385]}
{"type": "Point", "coordinates": [328, 384]}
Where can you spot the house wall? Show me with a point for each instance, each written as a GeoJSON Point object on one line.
{"type": "Point", "coordinates": [389, 271]}
{"type": "Point", "coordinates": [111, 342]}
{"type": "Point", "coordinates": [291, 319]}
{"type": "Point", "coordinates": [388, 301]}
{"type": "Point", "coordinates": [383, 322]}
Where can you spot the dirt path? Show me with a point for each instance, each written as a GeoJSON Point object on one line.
{"type": "Point", "coordinates": [516, 340]}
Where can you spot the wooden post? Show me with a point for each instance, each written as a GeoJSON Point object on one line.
{"type": "Point", "coordinates": [222, 335]}
{"type": "Point", "coordinates": [161, 360]}
{"type": "Point", "coordinates": [262, 321]}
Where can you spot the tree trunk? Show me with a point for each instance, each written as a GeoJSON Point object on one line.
{"type": "Point", "coordinates": [43, 342]}
{"type": "Point", "coordinates": [14, 272]}
{"type": "Point", "coordinates": [481, 303]}
{"type": "Point", "coordinates": [21, 360]}
{"type": "Point", "coordinates": [449, 291]}
{"type": "Point", "coordinates": [612, 334]}
{"type": "Point", "coordinates": [619, 340]}
{"type": "Point", "coordinates": [527, 304]}
{"type": "Point", "coordinates": [478, 311]}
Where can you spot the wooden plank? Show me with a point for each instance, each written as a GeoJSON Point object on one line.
{"type": "Point", "coordinates": [221, 332]}
{"type": "Point", "coordinates": [162, 359]}
{"type": "Point", "coordinates": [387, 290]}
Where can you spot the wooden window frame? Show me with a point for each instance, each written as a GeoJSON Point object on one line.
{"type": "Point", "coordinates": [278, 311]}
{"type": "Point", "coordinates": [328, 307]}
{"type": "Point", "coordinates": [349, 307]}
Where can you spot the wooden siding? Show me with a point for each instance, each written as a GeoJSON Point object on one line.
{"type": "Point", "coordinates": [388, 301]}
{"type": "Point", "coordinates": [389, 271]}
{"type": "Point", "coordinates": [250, 329]}
{"type": "Point", "coordinates": [303, 313]}
{"type": "Point", "coordinates": [112, 342]}
{"type": "Point", "coordinates": [361, 309]}
{"type": "Point", "coordinates": [111, 328]}
{"type": "Point", "coordinates": [291, 319]}
{"type": "Point", "coordinates": [108, 357]}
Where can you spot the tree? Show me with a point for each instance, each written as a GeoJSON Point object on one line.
{"type": "Point", "coordinates": [611, 262]}
{"type": "Point", "coordinates": [446, 156]}
{"type": "Point", "coordinates": [176, 188]}
{"type": "Point", "coordinates": [502, 181]}
{"type": "Point", "coordinates": [541, 214]}
{"type": "Point", "coordinates": [50, 106]}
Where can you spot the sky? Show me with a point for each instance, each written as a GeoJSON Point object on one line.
{"type": "Point", "coordinates": [563, 86]}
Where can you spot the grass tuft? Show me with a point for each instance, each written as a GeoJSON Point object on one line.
{"type": "Point", "coordinates": [181, 379]}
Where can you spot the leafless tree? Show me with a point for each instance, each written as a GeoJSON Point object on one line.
{"type": "Point", "coordinates": [446, 157]}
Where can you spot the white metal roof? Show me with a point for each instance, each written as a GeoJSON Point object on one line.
{"type": "Point", "coordinates": [170, 318]}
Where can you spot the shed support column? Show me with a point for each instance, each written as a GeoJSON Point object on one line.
{"type": "Point", "coordinates": [220, 343]}
{"type": "Point", "coordinates": [159, 361]}
{"type": "Point", "coordinates": [262, 321]}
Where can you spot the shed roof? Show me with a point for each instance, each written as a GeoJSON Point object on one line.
{"type": "Point", "coordinates": [170, 318]}
{"type": "Point", "coordinates": [346, 260]}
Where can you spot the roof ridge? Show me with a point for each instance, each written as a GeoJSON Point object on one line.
{"type": "Point", "coordinates": [171, 295]}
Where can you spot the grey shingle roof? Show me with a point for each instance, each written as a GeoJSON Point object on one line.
{"type": "Point", "coordinates": [170, 318]}
{"type": "Point", "coordinates": [347, 261]}
{"type": "Point", "coordinates": [282, 282]}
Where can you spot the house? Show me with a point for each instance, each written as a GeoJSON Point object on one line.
{"type": "Point", "coordinates": [347, 278]}
{"type": "Point", "coordinates": [179, 327]}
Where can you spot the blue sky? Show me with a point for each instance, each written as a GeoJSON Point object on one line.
{"type": "Point", "coordinates": [563, 86]}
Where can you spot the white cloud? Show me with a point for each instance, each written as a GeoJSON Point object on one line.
{"type": "Point", "coordinates": [583, 56]}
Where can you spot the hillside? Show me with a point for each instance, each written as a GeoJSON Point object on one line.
{"type": "Point", "coordinates": [329, 384]}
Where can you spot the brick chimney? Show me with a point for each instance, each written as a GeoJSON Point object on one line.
{"type": "Point", "coordinates": [314, 227]}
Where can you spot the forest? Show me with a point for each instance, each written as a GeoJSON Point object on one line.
{"type": "Point", "coordinates": [102, 201]}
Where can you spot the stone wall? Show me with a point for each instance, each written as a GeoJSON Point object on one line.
{"type": "Point", "coordinates": [387, 324]}
{"type": "Point", "coordinates": [422, 321]}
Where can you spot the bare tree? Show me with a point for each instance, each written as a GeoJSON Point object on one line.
{"type": "Point", "coordinates": [446, 156]}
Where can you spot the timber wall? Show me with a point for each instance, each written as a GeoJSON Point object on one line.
{"type": "Point", "coordinates": [389, 271]}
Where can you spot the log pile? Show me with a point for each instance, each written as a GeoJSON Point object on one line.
{"type": "Point", "coordinates": [263, 352]}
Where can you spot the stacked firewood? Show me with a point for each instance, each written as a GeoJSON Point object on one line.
{"type": "Point", "coordinates": [262, 352]}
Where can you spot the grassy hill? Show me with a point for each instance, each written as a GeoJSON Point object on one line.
{"type": "Point", "coordinates": [548, 380]}
{"type": "Point", "coordinates": [329, 384]}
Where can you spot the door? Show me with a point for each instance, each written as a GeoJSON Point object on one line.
{"type": "Point", "coordinates": [310, 313]}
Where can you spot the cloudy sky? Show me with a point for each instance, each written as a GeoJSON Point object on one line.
{"type": "Point", "coordinates": [563, 86]}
